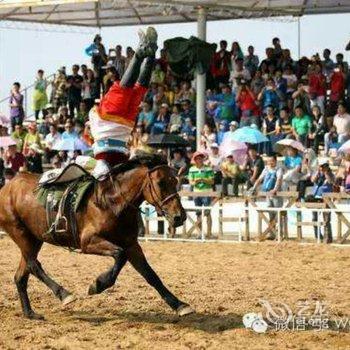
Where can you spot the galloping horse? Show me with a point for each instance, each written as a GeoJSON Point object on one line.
{"type": "Point", "coordinates": [107, 225]}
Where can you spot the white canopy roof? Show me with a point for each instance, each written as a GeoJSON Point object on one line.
{"type": "Point", "coordinates": [98, 13]}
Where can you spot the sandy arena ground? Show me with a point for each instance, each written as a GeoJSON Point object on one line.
{"type": "Point", "coordinates": [221, 281]}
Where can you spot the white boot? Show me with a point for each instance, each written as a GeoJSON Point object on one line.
{"type": "Point", "coordinates": [101, 169]}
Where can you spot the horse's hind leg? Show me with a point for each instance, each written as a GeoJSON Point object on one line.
{"type": "Point", "coordinates": [60, 292]}
{"type": "Point", "coordinates": [21, 281]}
{"type": "Point", "coordinates": [108, 278]}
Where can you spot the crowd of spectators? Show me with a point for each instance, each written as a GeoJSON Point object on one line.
{"type": "Point", "coordinates": [305, 99]}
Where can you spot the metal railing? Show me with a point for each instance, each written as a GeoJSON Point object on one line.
{"type": "Point", "coordinates": [27, 93]}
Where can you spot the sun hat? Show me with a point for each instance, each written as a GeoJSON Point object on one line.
{"type": "Point", "coordinates": [197, 154]}
{"type": "Point", "coordinates": [214, 145]}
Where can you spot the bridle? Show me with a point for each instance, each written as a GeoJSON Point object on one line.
{"type": "Point", "coordinates": [158, 203]}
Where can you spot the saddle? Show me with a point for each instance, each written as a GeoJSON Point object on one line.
{"type": "Point", "coordinates": [62, 195]}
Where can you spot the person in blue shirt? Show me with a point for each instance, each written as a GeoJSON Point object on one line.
{"type": "Point", "coordinates": [292, 164]}
{"type": "Point", "coordinates": [69, 132]}
{"type": "Point", "coordinates": [223, 128]}
{"type": "Point", "coordinates": [227, 104]}
{"type": "Point", "coordinates": [270, 95]}
{"type": "Point", "coordinates": [146, 117]}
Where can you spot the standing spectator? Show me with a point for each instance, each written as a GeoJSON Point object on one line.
{"type": "Point", "coordinates": [74, 87]}
{"type": "Point", "coordinates": [339, 60]}
{"type": "Point", "coordinates": [251, 61]}
{"type": "Point", "coordinates": [14, 159]}
{"type": "Point", "coordinates": [239, 73]}
{"type": "Point", "coordinates": [129, 55]}
{"type": "Point", "coordinates": [39, 94]}
{"type": "Point", "coordinates": [163, 60]}
{"type": "Point", "coordinates": [291, 79]}
{"type": "Point", "coordinates": [301, 97]}
{"type": "Point", "coordinates": [301, 124]}
{"type": "Point", "coordinates": [227, 104]}
{"type": "Point", "coordinates": [221, 65]}
{"type": "Point", "coordinates": [98, 58]}
{"type": "Point", "coordinates": [146, 117]}
{"type": "Point", "coordinates": [317, 87]}
{"type": "Point", "coordinates": [201, 177]}
{"type": "Point", "coordinates": [337, 85]}
{"type": "Point", "coordinates": [179, 164]}
{"type": "Point", "coordinates": [90, 90]}
{"type": "Point", "coordinates": [16, 106]}
{"type": "Point", "coordinates": [59, 86]}
{"type": "Point", "coordinates": [327, 63]}
{"type": "Point", "coordinates": [231, 174]}
{"type": "Point", "coordinates": [31, 138]}
{"type": "Point", "coordinates": [257, 83]}
{"type": "Point", "coordinates": [308, 169]}
{"type": "Point", "coordinates": [271, 179]}
{"type": "Point", "coordinates": [158, 76]}
{"type": "Point", "coordinates": [269, 128]}
{"type": "Point", "coordinates": [341, 123]}
{"type": "Point", "coordinates": [119, 61]}
{"type": "Point", "coordinates": [277, 49]}
{"type": "Point", "coordinates": [285, 61]}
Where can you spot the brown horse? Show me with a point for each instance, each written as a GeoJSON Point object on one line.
{"type": "Point", "coordinates": [107, 225]}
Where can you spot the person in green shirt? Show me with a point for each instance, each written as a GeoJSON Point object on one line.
{"type": "Point", "coordinates": [301, 125]}
{"type": "Point", "coordinates": [19, 135]}
{"type": "Point", "coordinates": [201, 178]}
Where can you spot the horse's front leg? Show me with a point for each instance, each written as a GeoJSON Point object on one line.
{"type": "Point", "coordinates": [108, 278]}
{"type": "Point", "coordinates": [138, 260]}
{"type": "Point", "coordinates": [92, 244]}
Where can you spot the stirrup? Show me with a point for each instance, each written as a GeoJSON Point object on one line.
{"type": "Point", "coordinates": [59, 225]}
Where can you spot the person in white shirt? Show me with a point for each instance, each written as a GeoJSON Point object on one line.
{"type": "Point", "coordinates": [51, 138]}
{"type": "Point", "coordinates": [214, 161]}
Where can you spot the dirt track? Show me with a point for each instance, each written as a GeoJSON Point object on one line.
{"type": "Point", "coordinates": [221, 281]}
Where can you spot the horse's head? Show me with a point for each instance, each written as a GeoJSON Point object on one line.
{"type": "Point", "coordinates": [160, 191]}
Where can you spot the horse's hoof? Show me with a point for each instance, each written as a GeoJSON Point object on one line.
{"type": "Point", "coordinates": [93, 289]}
{"type": "Point", "coordinates": [68, 299]}
{"type": "Point", "coordinates": [184, 310]}
{"type": "Point", "coordinates": [34, 316]}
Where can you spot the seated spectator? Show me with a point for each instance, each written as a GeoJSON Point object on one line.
{"type": "Point", "coordinates": [284, 124]}
{"type": "Point", "coordinates": [158, 75]}
{"type": "Point", "coordinates": [159, 99]}
{"type": "Point", "coordinates": [227, 104]}
{"type": "Point", "coordinates": [245, 100]}
{"type": "Point", "coordinates": [231, 174]}
{"type": "Point", "coordinates": [271, 179]}
{"type": "Point", "coordinates": [61, 118]}
{"type": "Point", "coordinates": [146, 117]}
{"type": "Point", "coordinates": [19, 135]}
{"type": "Point", "coordinates": [57, 162]}
{"type": "Point", "coordinates": [33, 159]}
{"type": "Point", "coordinates": [337, 85]}
{"type": "Point", "coordinates": [318, 128]}
{"type": "Point", "coordinates": [214, 161]}
{"type": "Point", "coordinates": [233, 126]}
{"type": "Point", "coordinates": [291, 79]}
{"type": "Point", "coordinates": [257, 83]}
{"type": "Point", "coordinates": [69, 132]}
{"type": "Point", "coordinates": [341, 131]}
{"type": "Point", "coordinates": [208, 137]}
{"type": "Point", "coordinates": [269, 96]}
{"type": "Point", "coordinates": [301, 125]}
{"type": "Point", "coordinates": [83, 113]}
{"type": "Point", "coordinates": [188, 111]}
{"type": "Point", "coordinates": [187, 93]}
{"type": "Point", "coordinates": [317, 87]}
{"type": "Point", "coordinates": [239, 73]}
{"type": "Point", "coordinates": [188, 132]}
{"type": "Point", "coordinates": [301, 97]}
{"type": "Point", "coordinates": [324, 181]}
{"type": "Point", "coordinates": [269, 128]}
{"type": "Point", "coordinates": [201, 177]}
{"type": "Point", "coordinates": [44, 126]}
{"type": "Point", "coordinates": [51, 138]}
{"type": "Point", "coordinates": [161, 120]}
{"type": "Point", "coordinates": [179, 164]}
{"type": "Point", "coordinates": [31, 138]}
{"type": "Point", "coordinates": [292, 165]}
{"type": "Point", "coordinates": [281, 87]}
{"type": "Point", "coordinates": [309, 168]}
{"type": "Point", "coordinates": [175, 122]}
{"type": "Point", "coordinates": [253, 167]}
{"type": "Point", "coordinates": [223, 126]}
{"type": "Point", "coordinates": [14, 159]}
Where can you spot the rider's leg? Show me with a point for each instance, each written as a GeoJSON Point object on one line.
{"type": "Point", "coordinates": [147, 48]}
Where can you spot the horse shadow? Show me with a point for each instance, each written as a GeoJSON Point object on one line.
{"type": "Point", "coordinates": [210, 323]}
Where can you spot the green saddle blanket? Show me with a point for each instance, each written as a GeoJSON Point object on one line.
{"type": "Point", "coordinates": [80, 188]}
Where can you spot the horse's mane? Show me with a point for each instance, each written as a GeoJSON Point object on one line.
{"type": "Point", "coordinates": [140, 159]}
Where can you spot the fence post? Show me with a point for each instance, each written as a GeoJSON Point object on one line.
{"type": "Point", "coordinates": [246, 219]}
